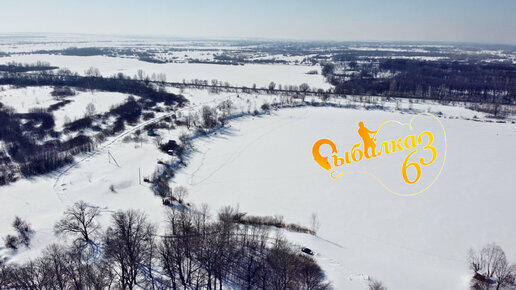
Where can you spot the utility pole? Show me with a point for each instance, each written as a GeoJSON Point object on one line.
{"type": "Point", "coordinates": [110, 156]}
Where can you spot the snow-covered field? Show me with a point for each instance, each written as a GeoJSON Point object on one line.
{"type": "Point", "coordinates": [24, 99]}
{"type": "Point", "coordinates": [42, 200]}
{"type": "Point", "coordinates": [237, 75]}
{"type": "Point", "coordinates": [264, 165]}
{"type": "Point", "coordinates": [102, 102]}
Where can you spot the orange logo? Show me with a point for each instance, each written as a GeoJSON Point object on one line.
{"type": "Point", "coordinates": [426, 139]}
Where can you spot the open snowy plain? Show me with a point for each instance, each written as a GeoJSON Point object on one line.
{"type": "Point", "coordinates": [264, 166]}
{"type": "Point", "coordinates": [236, 75]}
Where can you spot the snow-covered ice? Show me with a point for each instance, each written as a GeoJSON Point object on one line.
{"type": "Point", "coordinates": [264, 165]}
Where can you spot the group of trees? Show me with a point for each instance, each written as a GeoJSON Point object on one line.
{"type": "Point", "coordinates": [196, 252]}
{"type": "Point", "coordinates": [22, 135]}
{"type": "Point", "coordinates": [14, 67]}
{"type": "Point", "coordinates": [217, 86]}
{"type": "Point", "coordinates": [32, 146]}
{"type": "Point", "coordinates": [443, 80]}
{"type": "Point", "coordinates": [121, 83]}
{"type": "Point", "coordinates": [140, 54]}
{"type": "Point", "coordinates": [209, 117]}
{"type": "Point", "coordinates": [491, 268]}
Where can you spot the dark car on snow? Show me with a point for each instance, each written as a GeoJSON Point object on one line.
{"type": "Point", "coordinates": [307, 251]}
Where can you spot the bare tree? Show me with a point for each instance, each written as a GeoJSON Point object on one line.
{"type": "Point", "coordinates": [86, 273]}
{"type": "Point", "coordinates": [140, 75]}
{"type": "Point", "coordinates": [128, 244]}
{"type": "Point", "coordinates": [157, 140]}
{"type": "Point", "coordinates": [191, 119]}
{"type": "Point", "coordinates": [315, 224]}
{"type": "Point", "coordinates": [304, 87]}
{"type": "Point", "coordinates": [161, 77]}
{"type": "Point", "coordinates": [90, 110]}
{"type": "Point", "coordinates": [79, 219]}
{"type": "Point", "coordinates": [92, 72]}
{"type": "Point", "coordinates": [226, 107]}
{"type": "Point", "coordinates": [311, 276]}
{"type": "Point", "coordinates": [178, 248]}
{"type": "Point", "coordinates": [181, 193]}
{"type": "Point", "coordinates": [272, 85]}
{"type": "Point", "coordinates": [27, 276]}
{"type": "Point", "coordinates": [196, 252]}
{"type": "Point", "coordinates": [491, 262]}
{"type": "Point", "coordinates": [504, 273]}
{"type": "Point", "coordinates": [251, 249]}
{"type": "Point", "coordinates": [55, 266]}
{"type": "Point", "coordinates": [209, 117]}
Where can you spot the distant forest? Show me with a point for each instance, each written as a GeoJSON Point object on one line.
{"type": "Point", "coordinates": [491, 83]}
{"type": "Point", "coordinates": [460, 72]}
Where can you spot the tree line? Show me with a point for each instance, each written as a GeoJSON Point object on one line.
{"type": "Point", "coordinates": [492, 83]}
{"type": "Point", "coordinates": [196, 251]}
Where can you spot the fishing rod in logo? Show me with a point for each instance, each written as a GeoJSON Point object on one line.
{"type": "Point", "coordinates": [421, 143]}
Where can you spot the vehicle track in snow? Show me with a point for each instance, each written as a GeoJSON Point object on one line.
{"type": "Point", "coordinates": [234, 157]}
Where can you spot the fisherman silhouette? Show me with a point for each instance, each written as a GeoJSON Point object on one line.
{"type": "Point", "coordinates": [368, 142]}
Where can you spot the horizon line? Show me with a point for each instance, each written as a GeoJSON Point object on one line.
{"type": "Point", "coordinates": [250, 38]}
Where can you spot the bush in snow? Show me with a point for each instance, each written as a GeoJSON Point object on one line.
{"type": "Point", "coordinates": [185, 140]}
{"type": "Point", "coordinates": [62, 92]}
{"type": "Point", "coordinates": [376, 285]}
{"type": "Point", "coordinates": [25, 232]}
{"type": "Point", "coordinates": [11, 242]}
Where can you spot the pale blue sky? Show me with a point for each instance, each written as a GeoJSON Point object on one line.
{"type": "Point", "coordinates": [491, 21]}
